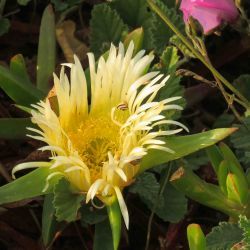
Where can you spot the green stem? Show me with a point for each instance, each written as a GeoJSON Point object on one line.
{"type": "Point", "coordinates": [166, 176]}
{"type": "Point", "coordinates": [205, 193]}
{"type": "Point", "coordinates": [158, 11]}
{"type": "Point", "coordinates": [114, 214]}
{"type": "Point", "coordinates": [203, 51]}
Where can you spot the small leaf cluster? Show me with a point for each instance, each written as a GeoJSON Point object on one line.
{"type": "Point", "coordinates": [111, 21]}
{"type": "Point", "coordinates": [168, 204]}
{"type": "Point", "coordinates": [225, 236]}
{"type": "Point", "coordinates": [16, 83]}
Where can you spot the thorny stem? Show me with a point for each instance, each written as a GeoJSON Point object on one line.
{"type": "Point", "coordinates": [198, 55]}
{"type": "Point", "coordinates": [155, 206]}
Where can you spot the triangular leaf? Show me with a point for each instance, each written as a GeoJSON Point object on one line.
{"type": "Point", "coordinates": [46, 50]}
{"type": "Point", "coordinates": [182, 146]}
{"type": "Point", "coordinates": [22, 93]}
{"type": "Point", "coordinates": [25, 187]}
{"type": "Point", "coordinates": [66, 201]}
{"type": "Point", "coordinates": [18, 68]}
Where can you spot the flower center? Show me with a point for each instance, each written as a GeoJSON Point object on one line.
{"type": "Point", "coordinates": [93, 139]}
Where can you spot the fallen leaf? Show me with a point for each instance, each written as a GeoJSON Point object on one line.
{"type": "Point", "coordinates": [65, 34]}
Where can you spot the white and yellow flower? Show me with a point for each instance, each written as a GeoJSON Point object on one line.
{"type": "Point", "coordinates": [98, 144]}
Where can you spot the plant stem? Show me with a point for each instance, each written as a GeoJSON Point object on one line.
{"type": "Point", "coordinates": [155, 206]}
{"type": "Point", "coordinates": [188, 44]}
{"type": "Point", "coordinates": [2, 4]}
{"type": "Point", "coordinates": [203, 51]}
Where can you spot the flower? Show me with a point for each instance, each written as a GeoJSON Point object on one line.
{"type": "Point", "coordinates": [209, 13]}
{"type": "Point", "coordinates": [97, 147]}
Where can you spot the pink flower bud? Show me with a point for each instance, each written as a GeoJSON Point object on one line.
{"type": "Point", "coordinates": [209, 13]}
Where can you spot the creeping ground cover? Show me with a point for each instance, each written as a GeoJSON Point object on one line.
{"type": "Point", "coordinates": [125, 124]}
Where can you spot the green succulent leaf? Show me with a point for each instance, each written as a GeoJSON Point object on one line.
{"type": "Point", "coordinates": [17, 89]}
{"type": "Point", "coordinates": [103, 236]}
{"type": "Point", "coordinates": [196, 238]}
{"type": "Point", "coordinates": [195, 160]}
{"type": "Point", "coordinates": [137, 37]}
{"type": "Point", "coordinates": [49, 222]}
{"type": "Point", "coordinates": [106, 27]}
{"type": "Point", "coordinates": [205, 193]}
{"type": "Point", "coordinates": [223, 121]}
{"type": "Point", "coordinates": [18, 68]}
{"type": "Point", "coordinates": [182, 146]}
{"type": "Point", "coordinates": [46, 50]}
{"type": "Point", "coordinates": [222, 175]}
{"type": "Point", "coordinates": [215, 157]}
{"type": "Point", "coordinates": [168, 65]}
{"type": "Point", "coordinates": [14, 128]}
{"type": "Point", "coordinates": [4, 26]}
{"type": "Point", "coordinates": [114, 214]}
{"type": "Point", "coordinates": [67, 201]}
{"type": "Point", "coordinates": [23, 2]}
{"type": "Point", "coordinates": [224, 236]}
{"type": "Point", "coordinates": [27, 186]}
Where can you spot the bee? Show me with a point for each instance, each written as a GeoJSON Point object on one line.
{"type": "Point", "coordinates": [122, 106]}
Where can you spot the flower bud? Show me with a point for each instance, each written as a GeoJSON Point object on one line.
{"type": "Point", "coordinates": [236, 190]}
{"type": "Point", "coordinates": [222, 176]}
{"type": "Point", "coordinates": [136, 36]}
{"type": "Point", "coordinates": [209, 13]}
{"type": "Point", "coordinates": [196, 238]}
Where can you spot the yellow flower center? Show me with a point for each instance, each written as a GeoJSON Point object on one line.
{"type": "Point", "coordinates": [93, 139]}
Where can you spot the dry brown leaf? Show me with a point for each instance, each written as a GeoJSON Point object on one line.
{"type": "Point", "coordinates": [65, 34]}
